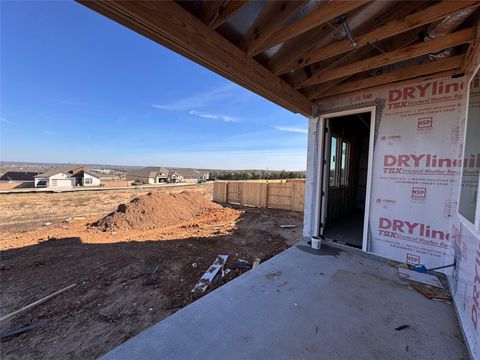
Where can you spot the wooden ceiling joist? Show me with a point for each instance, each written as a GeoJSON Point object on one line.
{"type": "Point", "coordinates": [272, 16]}
{"type": "Point", "coordinates": [452, 65]}
{"type": "Point", "coordinates": [215, 12]}
{"type": "Point", "coordinates": [395, 27]}
{"type": "Point", "coordinates": [365, 18]}
{"type": "Point", "coordinates": [317, 17]}
{"type": "Point", "coordinates": [172, 26]}
{"type": "Point", "coordinates": [409, 52]}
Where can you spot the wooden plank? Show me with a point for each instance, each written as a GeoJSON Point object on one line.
{"type": "Point", "coordinates": [410, 52]}
{"type": "Point", "coordinates": [271, 17]}
{"type": "Point", "coordinates": [220, 191]}
{"type": "Point", "coordinates": [433, 67]}
{"type": "Point", "coordinates": [366, 52]}
{"type": "Point", "coordinates": [318, 16]}
{"type": "Point", "coordinates": [473, 48]}
{"type": "Point", "coordinates": [360, 20]}
{"type": "Point", "coordinates": [394, 27]}
{"type": "Point", "coordinates": [210, 274]}
{"type": "Point", "coordinates": [215, 12]}
{"type": "Point", "coordinates": [440, 75]}
{"type": "Point", "coordinates": [316, 37]}
{"type": "Point", "coordinates": [275, 194]}
{"type": "Point", "coordinates": [170, 25]}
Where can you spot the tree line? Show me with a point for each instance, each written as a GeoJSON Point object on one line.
{"type": "Point", "coordinates": [255, 175]}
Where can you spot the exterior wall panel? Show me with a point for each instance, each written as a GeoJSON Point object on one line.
{"type": "Point", "coordinates": [416, 171]}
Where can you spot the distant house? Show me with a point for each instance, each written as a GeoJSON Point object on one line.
{"type": "Point", "coordinates": [190, 175]}
{"type": "Point", "coordinates": [55, 177]}
{"type": "Point", "coordinates": [86, 178]}
{"type": "Point", "coordinates": [149, 175]}
{"type": "Point", "coordinates": [67, 176]}
{"type": "Point", "coordinates": [18, 176]}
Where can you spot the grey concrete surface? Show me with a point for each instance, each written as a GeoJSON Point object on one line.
{"type": "Point", "coordinates": [338, 303]}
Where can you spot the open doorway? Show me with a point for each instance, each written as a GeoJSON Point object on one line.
{"type": "Point", "coordinates": [346, 181]}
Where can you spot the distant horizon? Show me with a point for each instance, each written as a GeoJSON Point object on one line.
{"type": "Point", "coordinates": [79, 87]}
{"type": "Point", "coordinates": [7, 162]}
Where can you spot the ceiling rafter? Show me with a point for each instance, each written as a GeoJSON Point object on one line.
{"type": "Point", "coordinates": [361, 53]}
{"type": "Point", "coordinates": [272, 16]}
{"type": "Point", "coordinates": [392, 57]}
{"type": "Point", "coordinates": [397, 26]}
{"type": "Point", "coordinates": [452, 64]}
{"type": "Point", "coordinates": [317, 17]}
{"type": "Point", "coordinates": [314, 38]}
{"type": "Point", "coordinates": [215, 12]}
{"type": "Point", "coordinates": [170, 25]}
{"type": "Point", "coordinates": [473, 46]}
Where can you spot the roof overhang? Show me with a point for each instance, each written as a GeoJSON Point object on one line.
{"type": "Point", "coordinates": [296, 52]}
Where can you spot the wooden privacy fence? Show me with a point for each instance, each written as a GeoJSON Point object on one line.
{"type": "Point", "coordinates": [273, 194]}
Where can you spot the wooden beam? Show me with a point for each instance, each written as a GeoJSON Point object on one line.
{"type": "Point", "coordinates": [318, 16]}
{"type": "Point", "coordinates": [299, 76]}
{"type": "Point", "coordinates": [215, 12]}
{"type": "Point", "coordinates": [395, 27]}
{"type": "Point", "coordinates": [453, 63]}
{"type": "Point", "coordinates": [387, 45]}
{"type": "Point", "coordinates": [273, 15]}
{"type": "Point", "coordinates": [472, 49]}
{"type": "Point", "coordinates": [439, 75]}
{"type": "Point", "coordinates": [170, 25]}
{"type": "Point", "coordinates": [360, 20]}
{"type": "Point", "coordinates": [409, 52]}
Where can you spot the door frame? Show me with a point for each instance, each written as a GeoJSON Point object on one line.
{"type": "Point", "coordinates": [322, 174]}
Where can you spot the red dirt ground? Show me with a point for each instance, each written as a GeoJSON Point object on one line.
{"type": "Point", "coordinates": [116, 297]}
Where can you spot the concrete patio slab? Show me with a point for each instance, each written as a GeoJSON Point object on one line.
{"type": "Point", "coordinates": [338, 303]}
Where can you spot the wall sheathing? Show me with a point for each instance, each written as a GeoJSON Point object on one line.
{"type": "Point", "coordinates": [417, 161]}
{"type": "Point", "coordinates": [465, 280]}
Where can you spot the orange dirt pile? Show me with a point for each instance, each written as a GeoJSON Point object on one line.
{"type": "Point", "coordinates": [157, 210]}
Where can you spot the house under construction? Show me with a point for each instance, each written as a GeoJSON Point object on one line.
{"type": "Point", "coordinates": [392, 93]}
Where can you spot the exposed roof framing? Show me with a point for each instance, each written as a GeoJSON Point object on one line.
{"type": "Point", "coordinates": [392, 28]}
{"type": "Point", "coordinates": [322, 35]}
{"type": "Point", "coordinates": [294, 52]}
{"type": "Point", "coordinates": [215, 12]}
{"type": "Point", "coordinates": [319, 16]}
{"type": "Point", "coordinates": [409, 52]}
{"type": "Point", "coordinates": [450, 66]}
{"type": "Point", "coordinates": [271, 17]}
{"type": "Point", "coordinates": [360, 53]}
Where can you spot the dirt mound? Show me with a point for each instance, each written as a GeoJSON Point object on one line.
{"type": "Point", "coordinates": [159, 209]}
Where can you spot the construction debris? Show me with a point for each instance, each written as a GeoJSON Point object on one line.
{"type": "Point", "coordinates": [241, 265]}
{"type": "Point", "coordinates": [35, 303]}
{"type": "Point", "coordinates": [150, 270]}
{"type": "Point", "coordinates": [210, 274]}
{"type": "Point", "coordinates": [288, 226]}
{"type": "Point", "coordinates": [418, 277]}
{"type": "Point", "coordinates": [22, 329]}
{"type": "Point", "coordinates": [402, 327]}
{"type": "Point", "coordinates": [432, 293]}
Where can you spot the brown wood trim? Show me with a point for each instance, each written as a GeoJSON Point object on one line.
{"type": "Point", "coordinates": [322, 14]}
{"type": "Point", "coordinates": [394, 27]}
{"type": "Point", "coordinates": [453, 63]}
{"type": "Point", "coordinates": [409, 52]}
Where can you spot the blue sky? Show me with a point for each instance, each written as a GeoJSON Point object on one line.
{"type": "Point", "coordinates": [77, 87]}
